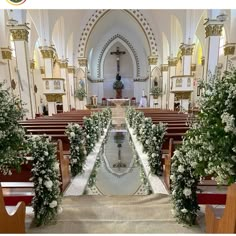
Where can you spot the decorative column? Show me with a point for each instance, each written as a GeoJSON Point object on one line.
{"type": "Point", "coordinates": [35, 89]}
{"type": "Point", "coordinates": [83, 65]}
{"type": "Point", "coordinates": [20, 36]}
{"type": "Point", "coordinates": [71, 83]}
{"type": "Point", "coordinates": [213, 29]}
{"type": "Point", "coordinates": [7, 55]}
{"type": "Point", "coordinates": [66, 98]}
{"type": "Point", "coordinates": [229, 51]}
{"type": "Point", "coordinates": [172, 63]}
{"type": "Point", "coordinates": [53, 87]}
{"type": "Point", "coordinates": [152, 61]}
{"type": "Point", "coordinates": [185, 95]}
{"type": "Point", "coordinates": [164, 72]}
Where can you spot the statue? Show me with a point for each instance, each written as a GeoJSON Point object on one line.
{"type": "Point", "coordinates": [118, 86]}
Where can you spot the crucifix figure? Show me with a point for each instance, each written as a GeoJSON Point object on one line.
{"type": "Point", "coordinates": [118, 53]}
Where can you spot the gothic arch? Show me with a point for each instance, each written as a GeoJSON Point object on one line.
{"type": "Point", "coordinates": [129, 47]}
{"type": "Point", "coordinates": [136, 14]}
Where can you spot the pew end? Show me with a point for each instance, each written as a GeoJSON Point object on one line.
{"type": "Point", "coordinates": [226, 223]}
{"type": "Point", "coordinates": [14, 222]}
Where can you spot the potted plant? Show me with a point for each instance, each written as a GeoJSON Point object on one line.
{"type": "Point", "coordinates": [155, 91]}
{"type": "Point", "coordinates": [80, 93]}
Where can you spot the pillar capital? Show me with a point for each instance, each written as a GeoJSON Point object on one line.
{"type": "Point", "coordinates": [20, 32]}
{"type": "Point", "coordinates": [47, 52]}
{"type": "Point", "coordinates": [71, 69]}
{"type": "Point", "coordinates": [229, 49]}
{"type": "Point", "coordinates": [63, 63]}
{"type": "Point", "coordinates": [164, 67]}
{"type": "Point", "coordinates": [203, 61]}
{"type": "Point", "coordinates": [82, 61]}
{"type": "Point", "coordinates": [6, 53]}
{"type": "Point", "coordinates": [172, 61]}
{"type": "Point", "coordinates": [42, 70]}
{"type": "Point", "coordinates": [193, 67]}
{"type": "Point", "coordinates": [152, 60]}
{"type": "Point", "coordinates": [186, 49]}
{"type": "Point", "coordinates": [32, 64]}
{"type": "Point", "coordinates": [213, 27]}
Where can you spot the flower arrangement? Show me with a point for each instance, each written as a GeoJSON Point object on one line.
{"type": "Point", "coordinates": [156, 91]}
{"type": "Point", "coordinates": [80, 93]}
{"type": "Point", "coordinates": [75, 135]}
{"type": "Point", "coordinates": [156, 139]}
{"type": "Point", "coordinates": [97, 125]}
{"type": "Point", "coordinates": [145, 132]}
{"type": "Point", "coordinates": [12, 134]}
{"type": "Point", "coordinates": [45, 172]}
{"type": "Point", "coordinates": [209, 148]}
{"type": "Point", "coordinates": [90, 134]}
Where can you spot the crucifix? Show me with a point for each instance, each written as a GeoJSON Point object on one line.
{"type": "Point", "coordinates": [118, 53]}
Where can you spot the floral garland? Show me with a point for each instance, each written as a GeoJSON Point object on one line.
{"type": "Point", "coordinates": [12, 134]}
{"type": "Point", "coordinates": [90, 131]}
{"type": "Point", "coordinates": [154, 144]}
{"type": "Point", "coordinates": [145, 133]}
{"type": "Point", "coordinates": [46, 177]}
{"type": "Point", "coordinates": [209, 147]}
{"type": "Point", "coordinates": [137, 123]}
{"type": "Point", "coordinates": [75, 135]}
{"type": "Point", "coordinates": [130, 112]}
{"type": "Point", "coordinates": [97, 125]}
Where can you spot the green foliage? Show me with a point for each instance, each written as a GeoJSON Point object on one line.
{"type": "Point", "coordinates": [209, 147]}
{"type": "Point", "coordinates": [12, 140]}
{"type": "Point", "coordinates": [156, 91]}
{"type": "Point", "coordinates": [80, 93]}
{"type": "Point", "coordinates": [76, 135]}
{"type": "Point", "coordinates": [46, 176]}
{"type": "Point", "coordinates": [90, 134]}
{"type": "Point", "coordinates": [154, 145]}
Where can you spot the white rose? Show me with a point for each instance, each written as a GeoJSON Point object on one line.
{"type": "Point", "coordinates": [187, 192]}
{"type": "Point", "coordinates": [181, 169]}
{"type": "Point", "coordinates": [184, 210]}
{"type": "Point", "coordinates": [72, 134]}
{"type": "Point", "coordinates": [45, 153]}
{"type": "Point", "coordinates": [56, 166]}
{"type": "Point", "coordinates": [77, 148]}
{"type": "Point", "coordinates": [48, 184]}
{"type": "Point", "coordinates": [87, 136]}
{"type": "Point", "coordinates": [40, 180]}
{"type": "Point", "coordinates": [154, 154]}
{"type": "Point", "coordinates": [53, 204]}
{"type": "Point", "coordinates": [147, 142]}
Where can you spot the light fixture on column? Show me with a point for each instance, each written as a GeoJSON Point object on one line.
{"type": "Point", "coordinates": [11, 21]}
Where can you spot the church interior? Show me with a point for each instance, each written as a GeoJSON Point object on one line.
{"type": "Point", "coordinates": [113, 119]}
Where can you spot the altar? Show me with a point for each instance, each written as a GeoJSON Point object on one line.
{"type": "Point", "coordinates": [118, 112]}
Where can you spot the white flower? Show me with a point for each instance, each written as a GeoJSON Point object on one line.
{"type": "Point", "coordinates": [147, 142]}
{"type": "Point", "coordinates": [40, 180]}
{"type": "Point", "coordinates": [56, 166]}
{"type": "Point", "coordinates": [184, 210]}
{"type": "Point", "coordinates": [187, 192]}
{"type": "Point", "coordinates": [48, 184]}
{"type": "Point", "coordinates": [72, 134]}
{"type": "Point", "coordinates": [154, 139]}
{"type": "Point", "coordinates": [87, 136]}
{"type": "Point", "coordinates": [45, 153]}
{"type": "Point", "coordinates": [77, 148]}
{"type": "Point", "coordinates": [154, 154]}
{"type": "Point", "coordinates": [53, 204]}
{"type": "Point", "coordinates": [181, 169]}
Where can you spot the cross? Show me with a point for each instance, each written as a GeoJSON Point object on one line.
{"type": "Point", "coordinates": [118, 53]}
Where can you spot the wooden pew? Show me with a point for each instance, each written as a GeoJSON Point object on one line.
{"type": "Point", "coordinates": [18, 186]}
{"type": "Point", "coordinates": [12, 223]}
{"type": "Point", "coordinates": [226, 223]}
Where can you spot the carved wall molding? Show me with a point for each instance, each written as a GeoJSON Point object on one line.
{"type": "Point", "coordinates": [172, 61]}
{"type": "Point", "coordinates": [213, 30]}
{"type": "Point", "coordinates": [127, 43]}
{"type": "Point", "coordinates": [187, 49]}
{"type": "Point", "coordinates": [71, 69]}
{"type": "Point", "coordinates": [48, 52]}
{"type": "Point", "coordinates": [136, 14]}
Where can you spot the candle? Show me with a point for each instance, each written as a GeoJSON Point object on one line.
{"type": "Point", "coordinates": [143, 92]}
